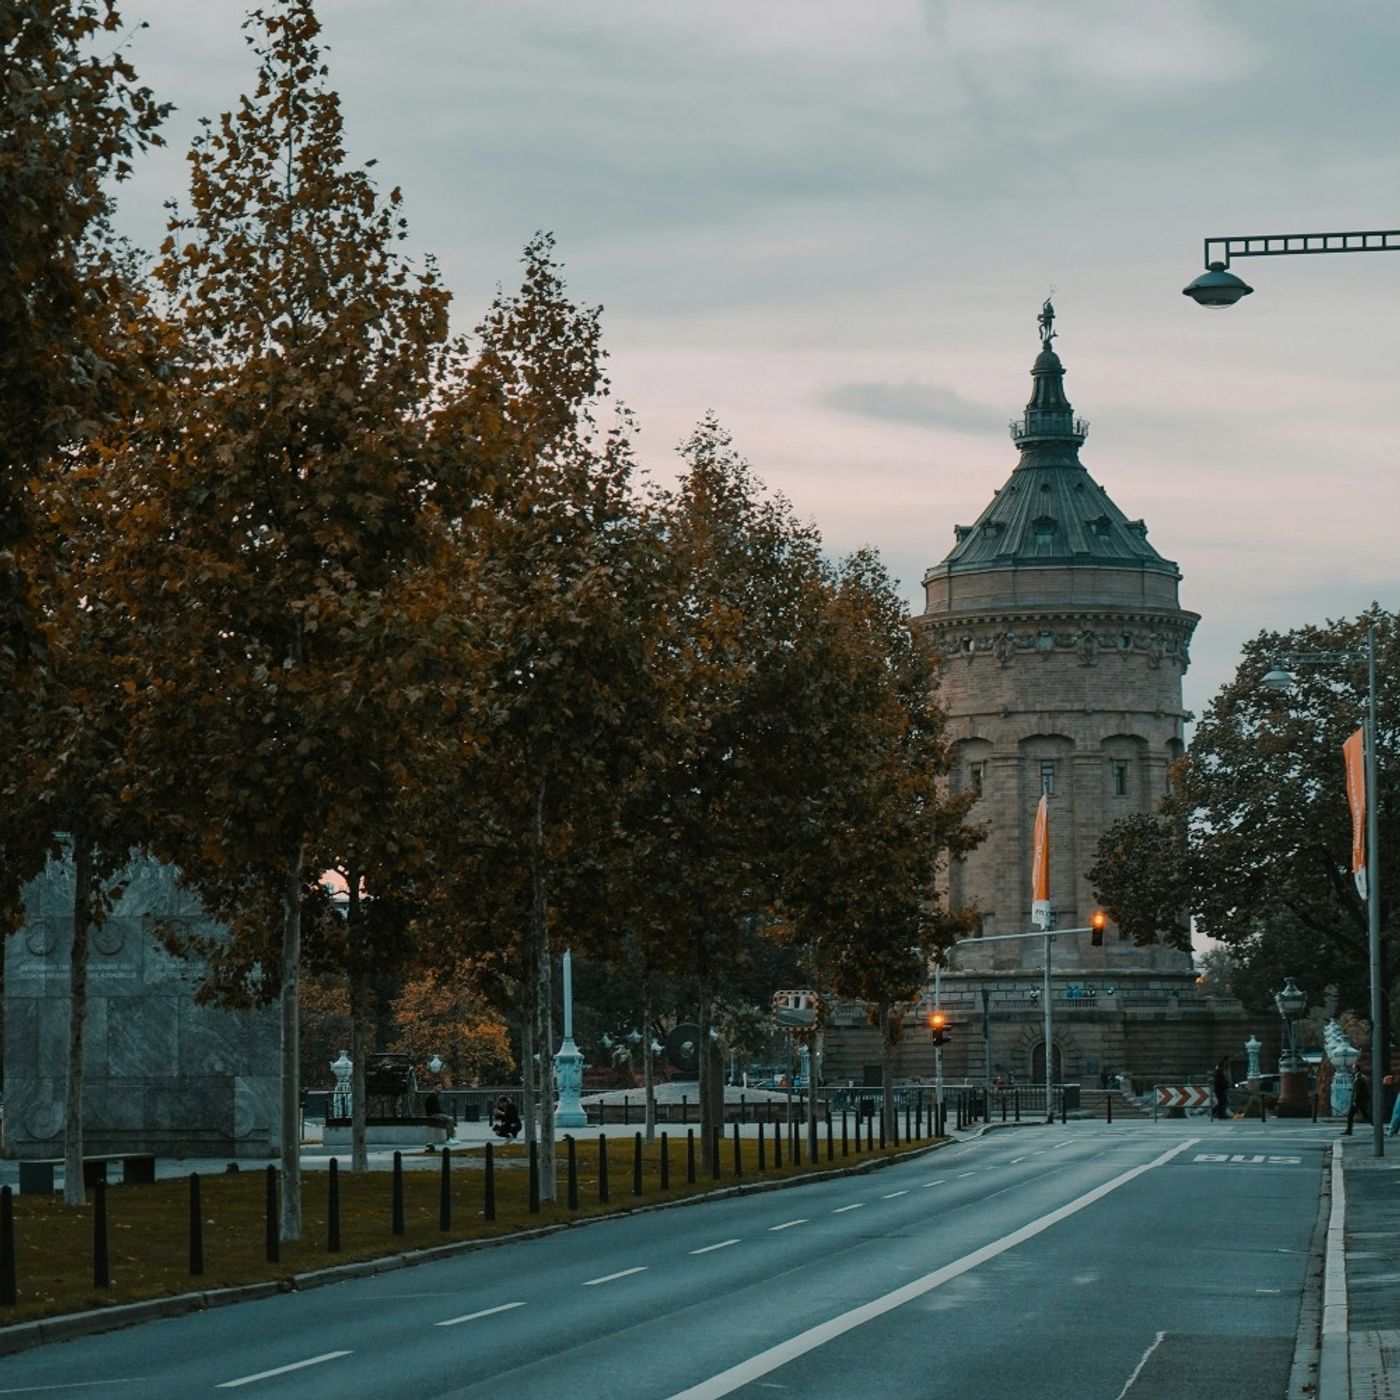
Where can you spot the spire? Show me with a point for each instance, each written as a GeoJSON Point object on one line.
{"type": "Point", "coordinates": [1048, 416]}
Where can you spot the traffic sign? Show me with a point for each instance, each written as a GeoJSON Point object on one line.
{"type": "Point", "coordinates": [1174, 1096]}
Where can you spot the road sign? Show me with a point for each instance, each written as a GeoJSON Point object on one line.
{"type": "Point", "coordinates": [795, 1010]}
{"type": "Point", "coordinates": [1173, 1096]}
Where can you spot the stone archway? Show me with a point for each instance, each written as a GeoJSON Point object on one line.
{"type": "Point", "coordinates": [1038, 1063]}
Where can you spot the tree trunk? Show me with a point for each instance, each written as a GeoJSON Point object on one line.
{"type": "Point", "coordinates": [706, 1068]}
{"type": "Point", "coordinates": [544, 989]}
{"type": "Point", "coordinates": [73, 1190]}
{"type": "Point", "coordinates": [648, 1073]}
{"type": "Point", "coordinates": [291, 1046]}
{"type": "Point", "coordinates": [887, 1072]}
{"type": "Point", "coordinates": [527, 1063]}
{"type": "Point", "coordinates": [813, 1059]}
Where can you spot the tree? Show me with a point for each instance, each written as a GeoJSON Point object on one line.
{"type": "Point", "coordinates": [445, 1014]}
{"type": "Point", "coordinates": [71, 121]}
{"type": "Point", "coordinates": [1260, 797]}
{"type": "Point", "coordinates": [281, 544]}
{"type": "Point", "coordinates": [557, 581]}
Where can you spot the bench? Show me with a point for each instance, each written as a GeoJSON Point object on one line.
{"type": "Point", "coordinates": [36, 1174]}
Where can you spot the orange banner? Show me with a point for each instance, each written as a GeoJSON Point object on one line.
{"type": "Point", "coordinates": [1354, 756]}
{"type": "Point", "coordinates": [1040, 866]}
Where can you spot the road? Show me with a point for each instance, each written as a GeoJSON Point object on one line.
{"type": "Point", "coordinates": [1127, 1262]}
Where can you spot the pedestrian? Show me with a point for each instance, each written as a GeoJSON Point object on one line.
{"type": "Point", "coordinates": [506, 1120]}
{"type": "Point", "coordinates": [1220, 1083]}
{"type": "Point", "coordinates": [1360, 1100]}
{"type": "Point", "coordinates": [1395, 1112]}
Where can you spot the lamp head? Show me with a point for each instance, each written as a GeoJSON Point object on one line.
{"type": "Point", "coordinates": [1215, 287]}
{"type": "Point", "coordinates": [1277, 679]}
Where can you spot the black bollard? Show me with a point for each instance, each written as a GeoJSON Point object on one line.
{"type": "Point", "coordinates": [572, 1149]}
{"type": "Point", "coordinates": [1002, 1097]}
{"type": "Point", "coordinates": [685, 1111]}
{"type": "Point", "coordinates": [488, 1190]}
{"type": "Point", "coordinates": [762, 1146]}
{"type": "Point", "coordinates": [602, 1170]}
{"type": "Point", "coordinates": [1064, 1109]}
{"type": "Point", "coordinates": [777, 1147]}
{"type": "Point", "coordinates": [830, 1139]}
{"type": "Point", "coordinates": [272, 1246]}
{"type": "Point", "coordinates": [445, 1191]}
{"type": "Point", "coordinates": [665, 1163]}
{"type": "Point", "coordinates": [845, 1140]}
{"type": "Point", "coordinates": [196, 1228]}
{"type": "Point", "coordinates": [1263, 1108]}
{"type": "Point", "coordinates": [714, 1153]}
{"type": "Point", "coordinates": [907, 1134]}
{"type": "Point", "coordinates": [1108, 1106]}
{"type": "Point", "coordinates": [738, 1153]}
{"type": "Point", "coordinates": [1016, 1104]}
{"type": "Point", "coordinates": [636, 1164]}
{"type": "Point", "coordinates": [534, 1177]}
{"type": "Point", "coordinates": [1314, 1101]}
{"type": "Point", "coordinates": [626, 1110]}
{"type": "Point", "coordinates": [795, 1143]}
{"type": "Point", "coordinates": [882, 1128]}
{"type": "Point", "coordinates": [9, 1292]}
{"type": "Point", "coordinates": [690, 1156]}
{"type": "Point", "coordinates": [743, 1108]}
{"type": "Point", "coordinates": [396, 1196]}
{"type": "Point", "coordinates": [333, 1207]}
{"type": "Point", "coordinates": [101, 1271]}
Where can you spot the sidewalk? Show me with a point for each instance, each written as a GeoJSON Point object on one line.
{"type": "Point", "coordinates": [1361, 1319]}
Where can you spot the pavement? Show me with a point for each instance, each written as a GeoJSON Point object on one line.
{"type": "Point", "coordinates": [1360, 1355]}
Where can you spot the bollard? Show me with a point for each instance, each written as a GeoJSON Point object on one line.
{"type": "Point", "coordinates": [396, 1196]}
{"type": "Point", "coordinates": [1002, 1097]}
{"type": "Point", "coordinates": [830, 1139]}
{"type": "Point", "coordinates": [636, 1164]}
{"type": "Point", "coordinates": [1108, 1106]}
{"type": "Point", "coordinates": [919, 1115]}
{"type": "Point", "coordinates": [445, 1191]}
{"type": "Point", "coordinates": [665, 1163]}
{"type": "Point", "coordinates": [777, 1147]}
{"type": "Point", "coordinates": [101, 1272]}
{"type": "Point", "coordinates": [271, 1243]}
{"type": "Point", "coordinates": [845, 1142]}
{"type": "Point", "coordinates": [626, 1110]}
{"type": "Point", "coordinates": [795, 1145]}
{"type": "Point", "coordinates": [1314, 1099]}
{"type": "Point", "coordinates": [196, 1228]}
{"type": "Point", "coordinates": [534, 1177]}
{"type": "Point", "coordinates": [1263, 1108]}
{"type": "Point", "coordinates": [762, 1146]}
{"type": "Point", "coordinates": [488, 1201]}
{"type": "Point", "coordinates": [690, 1156]}
{"type": "Point", "coordinates": [333, 1207]}
{"type": "Point", "coordinates": [9, 1292]}
{"type": "Point", "coordinates": [738, 1153]}
{"type": "Point", "coordinates": [714, 1152]}
{"type": "Point", "coordinates": [882, 1128]}
{"type": "Point", "coordinates": [907, 1134]}
{"type": "Point", "coordinates": [743, 1108]}
{"type": "Point", "coordinates": [685, 1111]}
{"type": "Point", "coordinates": [1064, 1109]}
{"type": "Point", "coordinates": [602, 1170]}
{"type": "Point", "coordinates": [573, 1171]}
{"type": "Point", "coordinates": [1016, 1103]}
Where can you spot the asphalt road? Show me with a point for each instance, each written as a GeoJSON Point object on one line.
{"type": "Point", "coordinates": [1124, 1262]}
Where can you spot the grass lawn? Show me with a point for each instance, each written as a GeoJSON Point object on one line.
{"type": "Point", "coordinates": [148, 1226]}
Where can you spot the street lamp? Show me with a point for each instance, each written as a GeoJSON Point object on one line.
{"type": "Point", "coordinates": [1292, 1078]}
{"type": "Point", "coordinates": [1280, 679]}
{"type": "Point", "coordinates": [1217, 286]}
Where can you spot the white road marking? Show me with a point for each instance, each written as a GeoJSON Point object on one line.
{"type": "Point", "coordinates": [939, 1182]}
{"type": "Point", "coordinates": [281, 1370]}
{"type": "Point", "coordinates": [1268, 1290]}
{"type": "Point", "coordinates": [1142, 1361]}
{"type": "Point", "coordinates": [1041, 1153]}
{"type": "Point", "coordinates": [1014, 1160]}
{"type": "Point", "coordinates": [723, 1244]}
{"type": "Point", "coordinates": [788, 1224]}
{"type": "Point", "coordinates": [765, 1362]}
{"type": "Point", "coordinates": [893, 1194]}
{"type": "Point", "coordinates": [841, 1210]}
{"type": "Point", "coordinates": [472, 1317]}
{"type": "Point", "coordinates": [621, 1273]}
{"type": "Point", "coordinates": [74, 1385]}
{"type": "Point", "coordinates": [963, 1174]}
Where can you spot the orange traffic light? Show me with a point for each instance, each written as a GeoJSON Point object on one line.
{"type": "Point", "coordinates": [1097, 923]}
{"type": "Point", "coordinates": [938, 1024]}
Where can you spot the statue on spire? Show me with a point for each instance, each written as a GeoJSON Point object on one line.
{"type": "Point", "coordinates": [1046, 321]}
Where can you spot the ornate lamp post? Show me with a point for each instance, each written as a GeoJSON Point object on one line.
{"type": "Point", "coordinates": [1292, 1073]}
{"type": "Point", "coordinates": [1252, 1047]}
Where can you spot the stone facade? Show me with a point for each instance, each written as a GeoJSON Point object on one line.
{"type": "Point", "coordinates": [162, 1074]}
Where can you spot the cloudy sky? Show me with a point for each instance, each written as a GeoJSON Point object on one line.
{"type": "Point", "coordinates": [834, 223]}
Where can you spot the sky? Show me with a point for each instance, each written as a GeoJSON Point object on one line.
{"type": "Point", "coordinates": [833, 224]}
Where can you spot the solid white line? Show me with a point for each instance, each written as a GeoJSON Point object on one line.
{"type": "Point", "coordinates": [723, 1244]}
{"type": "Point", "coordinates": [770, 1360]}
{"type": "Point", "coordinates": [621, 1273]}
{"type": "Point", "coordinates": [893, 1194]}
{"type": "Point", "coordinates": [472, 1317]}
{"type": "Point", "coordinates": [841, 1210]}
{"type": "Point", "coordinates": [788, 1224]}
{"type": "Point", "coordinates": [281, 1370]}
{"type": "Point", "coordinates": [74, 1385]}
{"type": "Point", "coordinates": [1142, 1361]}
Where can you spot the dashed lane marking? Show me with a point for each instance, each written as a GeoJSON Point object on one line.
{"type": "Point", "coordinates": [723, 1244]}
{"type": "Point", "coordinates": [281, 1370]}
{"type": "Point", "coordinates": [485, 1312]}
{"type": "Point", "coordinates": [621, 1273]}
{"type": "Point", "coordinates": [788, 1224]}
{"type": "Point", "coordinates": [891, 1195]}
{"type": "Point", "coordinates": [1014, 1160]}
{"type": "Point", "coordinates": [939, 1182]}
{"type": "Point", "coordinates": [963, 1174]}
{"type": "Point", "coordinates": [841, 1210]}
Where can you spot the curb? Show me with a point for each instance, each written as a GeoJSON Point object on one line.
{"type": "Point", "coordinates": [1334, 1367]}
{"type": "Point", "coordinates": [21, 1336]}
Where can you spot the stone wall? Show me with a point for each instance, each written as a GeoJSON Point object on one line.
{"type": "Point", "coordinates": [163, 1074]}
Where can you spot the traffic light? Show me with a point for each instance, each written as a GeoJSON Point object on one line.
{"type": "Point", "coordinates": [1097, 922]}
{"type": "Point", "coordinates": [938, 1026]}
